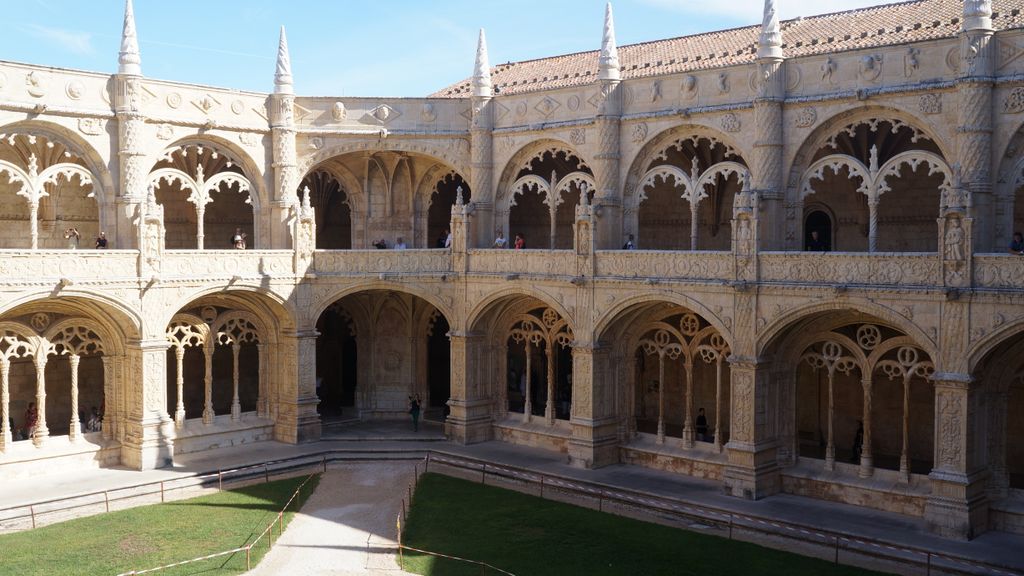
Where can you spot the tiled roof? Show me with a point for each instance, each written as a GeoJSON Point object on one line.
{"type": "Point", "coordinates": [887, 25]}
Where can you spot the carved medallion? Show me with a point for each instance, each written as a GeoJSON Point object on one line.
{"type": "Point", "coordinates": [74, 90]}
{"type": "Point", "coordinates": [930, 103]}
{"type": "Point", "coordinates": [173, 100]}
{"type": "Point", "coordinates": [90, 126]}
{"type": "Point", "coordinates": [638, 133]}
{"type": "Point", "coordinates": [248, 138]}
{"type": "Point", "coordinates": [547, 106]}
{"type": "Point", "coordinates": [165, 132]}
{"type": "Point", "coordinates": [35, 83]}
{"type": "Point", "coordinates": [730, 123]}
{"type": "Point", "coordinates": [806, 117]}
{"type": "Point", "coordinates": [238, 106]}
{"type": "Point", "coordinates": [338, 112]}
{"type": "Point", "coordinates": [1014, 103]}
{"type": "Point", "coordinates": [573, 102]}
{"type": "Point", "coordinates": [427, 113]}
{"type": "Point", "coordinates": [578, 136]}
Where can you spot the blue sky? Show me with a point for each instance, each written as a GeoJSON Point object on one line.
{"type": "Point", "coordinates": [348, 48]}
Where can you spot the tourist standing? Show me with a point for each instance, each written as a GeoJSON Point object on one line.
{"type": "Point", "coordinates": [629, 245]}
{"type": "Point", "coordinates": [31, 420]}
{"type": "Point", "coordinates": [238, 240]}
{"type": "Point", "coordinates": [101, 241]}
{"type": "Point", "coordinates": [500, 241]}
{"type": "Point", "coordinates": [400, 244]}
{"type": "Point", "coordinates": [414, 409]}
{"type": "Point", "coordinates": [520, 243]}
{"type": "Point", "coordinates": [73, 237]}
{"type": "Point", "coordinates": [1017, 246]}
{"type": "Point", "coordinates": [702, 425]}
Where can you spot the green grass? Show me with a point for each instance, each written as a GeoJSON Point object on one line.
{"type": "Point", "coordinates": [150, 536]}
{"type": "Point", "coordinates": [529, 536]}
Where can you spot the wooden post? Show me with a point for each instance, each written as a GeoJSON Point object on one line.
{"type": "Point", "coordinates": [161, 491]}
{"type": "Point", "coordinates": [266, 471]}
{"type": "Point", "coordinates": [32, 511]}
{"type": "Point", "coordinates": [106, 500]}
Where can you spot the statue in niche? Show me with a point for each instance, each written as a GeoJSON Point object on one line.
{"type": "Point", "coordinates": [744, 236]}
{"type": "Point", "coordinates": [954, 241]}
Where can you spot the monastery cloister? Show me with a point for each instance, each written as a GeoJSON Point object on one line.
{"type": "Point", "coordinates": [784, 274]}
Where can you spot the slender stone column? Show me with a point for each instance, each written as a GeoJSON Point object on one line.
{"type": "Point", "coordinates": [200, 226]}
{"type": "Point", "coordinates": [263, 398]}
{"type": "Point", "coordinates": [5, 403]}
{"type": "Point", "coordinates": [905, 437]}
{"type": "Point", "coordinates": [110, 397]}
{"type": "Point", "coordinates": [867, 462]}
{"type": "Point", "coordinates": [974, 115]}
{"type": "Point", "coordinates": [830, 444]}
{"type": "Point", "coordinates": [481, 149]}
{"type": "Point", "coordinates": [42, 432]}
{"type": "Point", "coordinates": [608, 122]}
{"type": "Point", "coordinates": [528, 403]}
{"type": "Point", "coordinates": [236, 407]}
{"type": "Point", "coordinates": [76, 424]}
{"type": "Point", "coordinates": [767, 161]}
{"type": "Point", "coordinates": [549, 407]}
{"type": "Point", "coordinates": [688, 405]}
{"type": "Point", "coordinates": [179, 380]}
{"type": "Point", "coordinates": [661, 398]}
{"type": "Point", "coordinates": [208, 348]}
{"type": "Point", "coordinates": [719, 358]}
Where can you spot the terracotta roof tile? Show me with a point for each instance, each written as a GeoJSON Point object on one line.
{"type": "Point", "coordinates": [891, 24]}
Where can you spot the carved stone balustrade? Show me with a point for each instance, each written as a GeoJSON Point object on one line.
{"type": "Point", "coordinates": [853, 268]}
{"type": "Point", "coordinates": [998, 271]}
{"type": "Point", "coordinates": [46, 265]}
{"type": "Point", "coordinates": [537, 262]}
{"type": "Point", "coordinates": [220, 263]}
{"type": "Point", "coordinates": [701, 265]}
{"type": "Point", "coordinates": [343, 262]}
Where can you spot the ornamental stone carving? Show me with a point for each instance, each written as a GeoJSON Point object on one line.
{"type": "Point", "coordinates": [74, 89]}
{"type": "Point", "coordinates": [638, 133]}
{"type": "Point", "coordinates": [723, 83]}
{"type": "Point", "coordinates": [165, 132]}
{"type": "Point", "coordinates": [36, 84]}
{"type": "Point", "coordinates": [1014, 102]}
{"type": "Point", "coordinates": [578, 136]}
{"type": "Point", "coordinates": [930, 103]}
{"type": "Point", "coordinates": [870, 67]}
{"type": "Point", "coordinates": [730, 123]}
{"type": "Point", "coordinates": [90, 126]}
{"type": "Point", "coordinates": [173, 100]}
{"type": "Point", "coordinates": [428, 113]}
{"type": "Point", "coordinates": [806, 117]}
{"type": "Point", "coordinates": [338, 112]}
{"type": "Point", "coordinates": [689, 86]}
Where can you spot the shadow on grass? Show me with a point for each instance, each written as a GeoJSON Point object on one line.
{"type": "Point", "coordinates": [529, 536]}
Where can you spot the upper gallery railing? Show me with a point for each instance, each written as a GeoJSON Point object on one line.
{"type": "Point", "coordinates": [990, 271]}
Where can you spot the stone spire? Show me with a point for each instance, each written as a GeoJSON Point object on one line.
{"type": "Point", "coordinates": [283, 73]}
{"type": "Point", "coordinates": [769, 44]}
{"type": "Point", "coordinates": [608, 61]}
{"type": "Point", "coordinates": [977, 15]}
{"type": "Point", "coordinates": [129, 61]}
{"type": "Point", "coordinates": [482, 69]}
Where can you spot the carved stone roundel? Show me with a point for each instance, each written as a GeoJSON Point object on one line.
{"type": "Point", "coordinates": [806, 117]}
{"type": "Point", "coordinates": [74, 89]}
{"type": "Point", "coordinates": [1014, 103]}
{"type": "Point", "coordinates": [173, 99]}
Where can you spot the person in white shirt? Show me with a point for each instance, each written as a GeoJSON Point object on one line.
{"type": "Point", "coordinates": [500, 241]}
{"type": "Point", "coordinates": [448, 240]}
{"type": "Point", "coordinates": [400, 244]}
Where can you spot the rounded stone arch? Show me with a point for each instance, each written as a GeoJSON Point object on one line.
{"type": "Point", "coordinates": [485, 304]}
{"type": "Point", "coordinates": [262, 330]}
{"type": "Point", "coordinates": [1009, 192]}
{"type": "Point", "coordinates": [103, 182]}
{"type": "Point", "coordinates": [109, 344]}
{"type": "Point", "coordinates": [778, 329]}
{"type": "Point", "coordinates": [249, 297]}
{"type": "Point", "coordinates": [990, 342]}
{"type": "Point", "coordinates": [643, 157]}
{"type": "Point", "coordinates": [522, 157]}
{"type": "Point", "coordinates": [251, 169]}
{"type": "Point", "coordinates": [326, 299]}
{"type": "Point", "coordinates": [828, 127]}
{"type": "Point", "coordinates": [457, 157]}
{"type": "Point", "coordinates": [609, 316]}
{"type": "Point", "coordinates": [118, 320]}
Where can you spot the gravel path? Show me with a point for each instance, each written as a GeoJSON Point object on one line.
{"type": "Point", "coordinates": [347, 527]}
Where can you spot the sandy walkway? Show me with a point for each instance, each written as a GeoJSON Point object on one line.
{"type": "Point", "coordinates": [347, 527]}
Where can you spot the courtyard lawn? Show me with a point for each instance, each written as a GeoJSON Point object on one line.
{"type": "Point", "coordinates": [150, 536]}
{"type": "Point", "coordinates": [529, 536]}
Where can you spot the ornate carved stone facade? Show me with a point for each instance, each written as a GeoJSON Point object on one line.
{"type": "Point", "coordinates": [784, 271]}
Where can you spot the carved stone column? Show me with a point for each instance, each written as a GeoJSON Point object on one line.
{"type": "Point", "coordinates": [595, 423]}
{"type": "Point", "coordinates": [297, 418]}
{"type": "Point", "coordinates": [958, 505]}
{"type": "Point", "coordinates": [462, 232]}
{"type": "Point", "coordinates": [974, 120]}
{"type": "Point", "coordinates": [469, 419]}
{"type": "Point", "coordinates": [42, 432]}
{"type": "Point", "coordinates": [481, 177]}
{"type": "Point", "coordinates": [75, 426]}
{"type": "Point", "coordinates": [752, 471]}
{"type": "Point", "coordinates": [766, 169]}
{"type": "Point", "coordinates": [179, 383]}
{"type": "Point", "coordinates": [5, 403]}
{"type": "Point", "coordinates": [608, 197]}
{"type": "Point", "coordinates": [149, 431]}
{"type": "Point", "coordinates": [133, 169]}
{"type": "Point", "coordinates": [285, 164]}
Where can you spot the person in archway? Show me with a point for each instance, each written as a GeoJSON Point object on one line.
{"type": "Point", "coordinates": [1017, 245]}
{"type": "Point", "coordinates": [414, 409]}
{"type": "Point", "coordinates": [816, 244]}
{"type": "Point", "coordinates": [400, 244]}
{"type": "Point", "coordinates": [702, 426]}
{"type": "Point", "coordinates": [238, 239]}
{"type": "Point", "coordinates": [31, 420]}
{"type": "Point", "coordinates": [629, 245]}
{"type": "Point", "coordinates": [500, 241]}
{"type": "Point", "coordinates": [520, 243]}
{"type": "Point", "coordinates": [73, 237]}
{"type": "Point", "coordinates": [101, 241]}
{"type": "Point", "coordinates": [442, 239]}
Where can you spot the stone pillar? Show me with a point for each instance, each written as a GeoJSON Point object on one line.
{"type": "Point", "coordinates": [481, 177]}
{"type": "Point", "coordinates": [133, 169]}
{"type": "Point", "coordinates": [42, 432]}
{"type": "Point", "coordinates": [469, 419]}
{"type": "Point", "coordinates": [462, 233]}
{"type": "Point", "coordinates": [958, 505]}
{"type": "Point", "coordinates": [974, 117]}
{"type": "Point", "coordinates": [75, 427]}
{"type": "Point", "coordinates": [285, 164]}
{"type": "Point", "coordinates": [5, 403]}
{"type": "Point", "coordinates": [111, 423]}
{"type": "Point", "coordinates": [608, 196]}
{"type": "Point", "coordinates": [263, 394]}
{"type": "Point", "coordinates": [236, 406]}
{"type": "Point", "coordinates": [752, 471]}
{"type": "Point", "coordinates": [766, 167]}
{"type": "Point", "coordinates": [297, 418]}
{"type": "Point", "coordinates": [179, 382]}
{"type": "Point", "coordinates": [149, 431]}
{"type": "Point", "coordinates": [595, 424]}
{"type": "Point", "coordinates": [208, 348]}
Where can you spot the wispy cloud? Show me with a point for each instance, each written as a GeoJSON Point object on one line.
{"type": "Point", "coordinates": [751, 10]}
{"type": "Point", "coordinates": [74, 41]}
